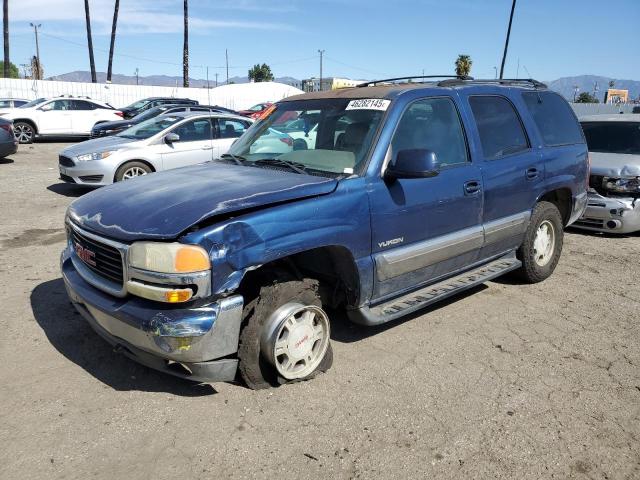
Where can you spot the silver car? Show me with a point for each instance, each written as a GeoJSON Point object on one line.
{"type": "Point", "coordinates": [161, 143]}
{"type": "Point", "coordinates": [614, 194]}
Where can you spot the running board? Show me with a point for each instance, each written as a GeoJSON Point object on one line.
{"type": "Point", "coordinates": [401, 306]}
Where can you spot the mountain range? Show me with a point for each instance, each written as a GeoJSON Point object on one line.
{"type": "Point", "coordinates": [565, 85]}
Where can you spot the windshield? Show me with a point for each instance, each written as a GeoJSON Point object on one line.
{"type": "Point", "coordinates": [137, 105]}
{"type": "Point", "coordinates": [151, 113]}
{"type": "Point", "coordinates": [33, 103]}
{"type": "Point", "coordinates": [329, 135]}
{"type": "Point", "coordinates": [257, 108]}
{"type": "Point", "coordinates": [613, 137]}
{"type": "Point", "coordinates": [149, 128]}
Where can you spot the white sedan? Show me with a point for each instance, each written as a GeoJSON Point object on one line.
{"type": "Point", "coordinates": [161, 143]}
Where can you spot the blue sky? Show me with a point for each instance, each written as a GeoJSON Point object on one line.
{"type": "Point", "coordinates": [361, 38]}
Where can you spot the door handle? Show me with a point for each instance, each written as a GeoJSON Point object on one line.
{"type": "Point", "coordinates": [532, 173]}
{"type": "Point", "coordinates": [471, 187]}
{"type": "Point", "coordinates": [207, 148]}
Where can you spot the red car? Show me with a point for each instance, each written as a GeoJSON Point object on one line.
{"type": "Point", "coordinates": [256, 110]}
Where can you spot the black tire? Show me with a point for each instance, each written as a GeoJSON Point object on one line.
{"type": "Point", "coordinates": [124, 168]}
{"type": "Point", "coordinates": [254, 368]}
{"type": "Point", "coordinates": [531, 270]}
{"type": "Point", "coordinates": [24, 132]}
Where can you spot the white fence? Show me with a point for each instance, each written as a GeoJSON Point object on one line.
{"type": "Point", "coordinates": [238, 96]}
{"type": "Point", "coordinates": [582, 109]}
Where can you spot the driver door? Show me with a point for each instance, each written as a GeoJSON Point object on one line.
{"type": "Point", "coordinates": [195, 144]}
{"type": "Point", "coordinates": [55, 118]}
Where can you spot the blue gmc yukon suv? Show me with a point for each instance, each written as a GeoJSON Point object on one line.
{"type": "Point", "coordinates": [378, 200]}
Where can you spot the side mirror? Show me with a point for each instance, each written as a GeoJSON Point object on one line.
{"type": "Point", "coordinates": [414, 163]}
{"type": "Point", "coordinates": [170, 138]}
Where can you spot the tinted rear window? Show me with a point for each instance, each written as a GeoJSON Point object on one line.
{"type": "Point", "coordinates": [555, 119]}
{"type": "Point", "coordinates": [613, 137]}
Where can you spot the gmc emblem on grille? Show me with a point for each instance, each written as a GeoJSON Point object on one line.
{"type": "Point", "coordinates": [86, 255]}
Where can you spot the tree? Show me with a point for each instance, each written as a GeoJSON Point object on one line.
{"type": "Point", "coordinates": [92, 63]}
{"type": "Point", "coordinates": [586, 97]}
{"type": "Point", "coordinates": [185, 47]}
{"type": "Point", "coordinates": [12, 70]}
{"type": "Point", "coordinates": [5, 24]}
{"type": "Point", "coordinates": [612, 83]}
{"type": "Point", "coordinates": [116, 9]}
{"type": "Point", "coordinates": [463, 65]}
{"type": "Point", "coordinates": [261, 73]}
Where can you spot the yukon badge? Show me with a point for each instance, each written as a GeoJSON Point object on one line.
{"type": "Point", "coordinates": [393, 241]}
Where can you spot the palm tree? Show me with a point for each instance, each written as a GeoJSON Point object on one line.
{"type": "Point", "coordinates": [185, 49]}
{"type": "Point", "coordinates": [463, 65]}
{"type": "Point", "coordinates": [90, 42]}
{"type": "Point", "coordinates": [116, 8]}
{"type": "Point", "coordinates": [612, 83]}
{"type": "Point", "coordinates": [5, 22]}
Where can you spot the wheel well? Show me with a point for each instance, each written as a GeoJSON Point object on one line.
{"type": "Point", "coordinates": [26, 120]}
{"type": "Point", "coordinates": [561, 198]}
{"type": "Point", "coordinates": [333, 266]}
{"type": "Point", "coordinates": [129, 161]}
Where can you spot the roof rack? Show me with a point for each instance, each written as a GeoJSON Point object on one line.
{"type": "Point", "coordinates": [500, 81]}
{"type": "Point", "coordinates": [390, 80]}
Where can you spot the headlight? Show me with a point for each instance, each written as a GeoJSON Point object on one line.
{"type": "Point", "coordinates": [622, 185]}
{"type": "Point", "coordinates": [93, 156]}
{"type": "Point", "coordinates": [168, 257]}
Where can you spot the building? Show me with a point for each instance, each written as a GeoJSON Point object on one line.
{"type": "Point", "coordinates": [614, 95]}
{"type": "Point", "coordinates": [330, 83]}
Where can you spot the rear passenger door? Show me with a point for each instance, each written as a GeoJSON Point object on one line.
{"type": "Point", "coordinates": [426, 228]}
{"type": "Point", "coordinates": [84, 116]}
{"type": "Point", "coordinates": [512, 171]}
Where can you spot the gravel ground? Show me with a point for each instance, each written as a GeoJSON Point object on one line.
{"type": "Point", "coordinates": [506, 381]}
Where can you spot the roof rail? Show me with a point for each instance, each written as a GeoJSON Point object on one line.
{"type": "Point", "coordinates": [389, 80]}
{"type": "Point", "coordinates": [500, 81]}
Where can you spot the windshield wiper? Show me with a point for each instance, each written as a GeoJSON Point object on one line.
{"type": "Point", "coordinates": [296, 167]}
{"type": "Point", "coordinates": [239, 160]}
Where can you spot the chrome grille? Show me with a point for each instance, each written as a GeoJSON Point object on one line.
{"type": "Point", "coordinates": [102, 259]}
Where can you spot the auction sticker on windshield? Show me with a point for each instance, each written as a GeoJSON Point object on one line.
{"type": "Point", "coordinates": [368, 104]}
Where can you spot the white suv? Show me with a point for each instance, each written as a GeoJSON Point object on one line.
{"type": "Point", "coordinates": [60, 116]}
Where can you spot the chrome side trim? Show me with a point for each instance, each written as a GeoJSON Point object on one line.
{"type": "Point", "coordinates": [506, 227]}
{"type": "Point", "coordinates": [423, 254]}
{"type": "Point", "coordinates": [97, 281]}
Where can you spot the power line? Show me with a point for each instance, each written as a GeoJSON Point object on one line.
{"type": "Point", "coordinates": [354, 67]}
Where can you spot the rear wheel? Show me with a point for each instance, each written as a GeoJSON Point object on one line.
{"type": "Point", "coordinates": [542, 246]}
{"type": "Point", "coordinates": [285, 337]}
{"type": "Point", "coordinates": [132, 170]}
{"type": "Point", "coordinates": [24, 132]}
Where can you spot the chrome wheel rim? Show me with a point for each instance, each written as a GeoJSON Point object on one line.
{"type": "Point", "coordinates": [297, 339]}
{"type": "Point", "coordinates": [544, 243]}
{"type": "Point", "coordinates": [133, 172]}
{"type": "Point", "coordinates": [23, 133]}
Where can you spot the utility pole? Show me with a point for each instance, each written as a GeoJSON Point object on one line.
{"type": "Point", "coordinates": [321, 52]}
{"type": "Point", "coordinates": [5, 24]}
{"type": "Point", "coordinates": [506, 43]}
{"type": "Point", "coordinates": [37, 74]}
{"type": "Point", "coordinates": [116, 9]}
{"type": "Point", "coordinates": [226, 57]}
{"type": "Point", "coordinates": [185, 47]}
{"type": "Point", "coordinates": [92, 63]}
{"type": "Point", "coordinates": [137, 77]}
{"type": "Point", "coordinates": [216, 79]}
{"type": "Point", "coordinates": [495, 72]}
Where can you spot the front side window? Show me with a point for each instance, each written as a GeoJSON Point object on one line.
{"type": "Point", "coordinates": [231, 128]}
{"type": "Point", "coordinates": [328, 137]}
{"type": "Point", "coordinates": [432, 124]}
{"type": "Point", "coordinates": [613, 137]}
{"type": "Point", "coordinates": [194, 130]}
{"type": "Point", "coordinates": [57, 105]}
{"type": "Point", "coordinates": [554, 118]}
{"type": "Point", "coordinates": [5, 103]}
{"type": "Point", "coordinates": [150, 127]}
{"type": "Point", "coordinates": [499, 126]}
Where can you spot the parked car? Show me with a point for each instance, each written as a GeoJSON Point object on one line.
{"type": "Point", "coordinates": [160, 143]}
{"type": "Point", "coordinates": [614, 149]}
{"type": "Point", "coordinates": [111, 128]}
{"type": "Point", "coordinates": [8, 103]}
{"type": "Point", "coordinates": [140, 106]}
{"type": "Point", "coordinates": [411, 193]}
{"type": "Point", "coordinates": [60, 116]}
{"type": "Point", "coordinates": [256, 110]}
{"type": "Point", "coordinates": [8, 142]}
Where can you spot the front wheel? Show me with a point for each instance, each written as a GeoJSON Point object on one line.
{"type": "Point", "coordinates": [24, 132]}
{"type": "Point", "coordinates": [285, 336]}
{"type": "Point", "coordinates": [132, 170]}
{"type": "Point", "coordinates": [542, 246]}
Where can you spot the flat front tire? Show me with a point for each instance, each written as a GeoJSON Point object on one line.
{"type": "Point", "coordinates": [285, 335]}
{"type": "Point", "coordinates": [542, 246]}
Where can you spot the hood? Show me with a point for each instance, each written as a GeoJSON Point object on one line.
{"type": "Point", "coordinates": [97, 145]}
{"type": "Point", "coordinates": [615, 164]}
{"type": "Point", "coordinates": [163, 205]}
{"type": "Point", "coordinates": [112, 125]}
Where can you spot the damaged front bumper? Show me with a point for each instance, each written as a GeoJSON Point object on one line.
{"type": "Point", "coordinates": [196, 343]}
{"type": "Point", "coordinates": [610, 214]}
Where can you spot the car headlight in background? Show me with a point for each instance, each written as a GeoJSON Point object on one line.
{"type": "Point", "coordinates": [622, 185]}
{"type": "Point", "coordinates": [93, 156]}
